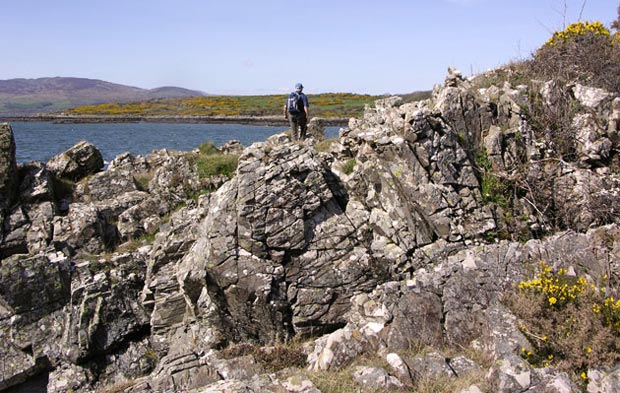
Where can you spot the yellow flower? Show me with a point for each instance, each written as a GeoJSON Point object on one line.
{"type": "Point", "coordinates": [550, 357]}
{"type": "Point", "coordinates": [552, 300]}
{"type": "Point", "coordinates": [589, 350]}
{"type": "Point", "coordinates": [583, 375]}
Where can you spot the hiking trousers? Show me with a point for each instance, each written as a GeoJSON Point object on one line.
{"type": "Point", "coordinates": [299, 125]}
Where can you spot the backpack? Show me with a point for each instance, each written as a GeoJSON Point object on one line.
{"type": "Point", "coordinates": [294, 104]}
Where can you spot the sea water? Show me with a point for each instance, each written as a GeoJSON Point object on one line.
{"type": "Point", "coordinates": [40, 141]}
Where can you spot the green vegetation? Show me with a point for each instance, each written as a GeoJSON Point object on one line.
{"type": "Point", "coordinates": [211, 162]}
{"type": "Point", "coordinates": [322, 105]}
{"type": "Point", "coordinates": [348, 166]}
{"type": "Point", "coordinates": [494, 190]}
{"type": "Point", "coordinates": [571, 323]}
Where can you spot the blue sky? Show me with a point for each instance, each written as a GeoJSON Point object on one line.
{"type": "Point", "coordinates": [266, 46]}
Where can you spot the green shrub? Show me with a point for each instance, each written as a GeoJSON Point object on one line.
{"type": "Point", "coordinates": [208, 148]}
{"type": "Point", "coordinates": [494, 190]}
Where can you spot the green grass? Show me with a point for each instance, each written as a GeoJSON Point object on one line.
{"type": "Point", "coordinates": [211, 162]}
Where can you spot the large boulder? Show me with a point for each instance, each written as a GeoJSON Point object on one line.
{"type": "Point", "coordinates": [81, 160]}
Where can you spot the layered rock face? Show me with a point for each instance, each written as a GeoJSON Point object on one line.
{"type": "Point", "coordinates": [387, 240]}
{"type": "Point", "coordinates": [8, 171]}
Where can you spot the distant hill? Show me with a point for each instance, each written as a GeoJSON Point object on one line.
{"type": "Point", "coordinates": [29, 96]}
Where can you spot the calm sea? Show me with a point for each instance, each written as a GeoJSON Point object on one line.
{"type": "Point", "coordinates": [40, 141]}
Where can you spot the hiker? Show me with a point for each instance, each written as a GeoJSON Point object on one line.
{"type": "Point", "coordinates": [296, 111]}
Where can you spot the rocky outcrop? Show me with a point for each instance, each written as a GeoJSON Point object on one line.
{"type": "Point", "coordinates": [147, 277]}
{"type": "Point", "coordinates": [278, 246]}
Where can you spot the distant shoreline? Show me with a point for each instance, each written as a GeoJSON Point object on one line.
{"type": "Point", "coordinates": [247, 120]}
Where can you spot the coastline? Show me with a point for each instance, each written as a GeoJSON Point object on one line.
{"type": "Point", "coordinates": [247, 120]}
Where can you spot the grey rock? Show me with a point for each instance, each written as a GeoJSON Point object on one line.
{"type": "Point", "coordinates": [316, 129]}
{"type": "Point", "coordinates": [603, 380]}
{"type": "Point", "coordinates": [81, 160]}
{"type": "Point", "coordinates": [183, 372]}
{"type": "Point", "coordinates": [433, 365]}
{"type": "Point", "coordinates": [262, 383]}
{"type": "Point", "coordinates": [232, 147]}
{"type": "Point", "coordinates": [593, 145]}
{"type": "Point", "coordinates": [462, 366]}
{"type": "Point", "coordinates": [69, 378]}
{"type": "Point", "coordinates": [30, 290]}
{"type": "Point", "coordinates": [375, 378]}
{"type": "Point", "coordinates": [400, 369]}
{"type": "Point", "coordinates": [513, 374]}
{"type": "Point", "coordinates": [337, 350]}
{"type": "Point", "coordinates": [8, 167]}
{"type": "Point", "coordinates": [81, 229]}
{"type": "Point", "coordinates": [37, 184]}
{"type": "Point", "coordinates": [173, 176]}
{"type": "Point", "coordinates": [278, 247]}
{"type": "Point", "coordinates": [34, 286]}
{"type": "Point", "coordinates": [552, 381]}
{"type": "Point", "coordinates": [590, 97]}
{"type": "Point", "coordinates": [137, 360]}
{"type": "Point", "coordinates": [133, 222]}
{"type": "Point", "coordinates": [108, 184]}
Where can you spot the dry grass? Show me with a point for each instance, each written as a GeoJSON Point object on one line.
{"type": "Point", "coordinates": [273, 358]}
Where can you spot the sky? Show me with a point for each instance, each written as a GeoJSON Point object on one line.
{"type": "Point", "coordinates": [266, 46]}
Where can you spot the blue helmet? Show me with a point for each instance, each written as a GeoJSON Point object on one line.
{"type": "Point", "coordinates": [299, 87]}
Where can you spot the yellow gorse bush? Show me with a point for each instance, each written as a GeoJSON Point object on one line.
{"type": "Point", "coordinates": [569, 322]}
{"type": "Point", "coordinates": [576, 30]}
{"type": "Point", "coordinates": [610, 309]}
{"type": "Point", "coordinates": [558, 288]}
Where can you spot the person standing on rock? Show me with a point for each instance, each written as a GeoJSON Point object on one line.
{"type": "Point", "coordinates": [296, 111]}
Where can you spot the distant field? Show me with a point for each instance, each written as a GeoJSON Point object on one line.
{"type": "Point", "coordinates": [322, 105]}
